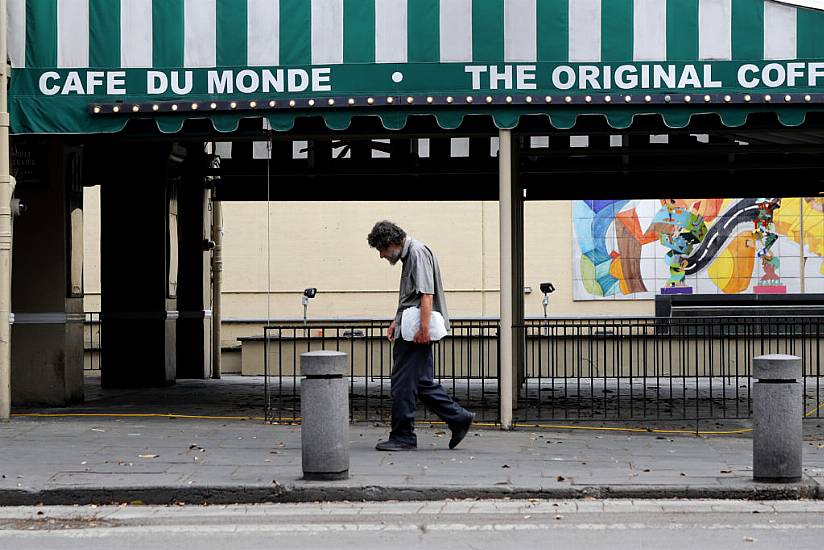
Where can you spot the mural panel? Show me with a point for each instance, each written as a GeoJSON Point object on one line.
{"type": "Point", "coordinates": [636, 249]}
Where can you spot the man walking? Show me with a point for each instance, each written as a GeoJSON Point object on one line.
{"type": "Point", "coordinates": [413, 371]}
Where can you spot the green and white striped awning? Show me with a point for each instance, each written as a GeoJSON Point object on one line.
{"type": "Point", "coordinates": [84, 66]}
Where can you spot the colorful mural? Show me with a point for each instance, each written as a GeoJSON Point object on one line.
{"type": "Point", "coordinates": [636, 249]}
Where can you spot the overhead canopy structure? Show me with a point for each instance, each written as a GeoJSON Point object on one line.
{"type": "Point", "coordinates": [90, 66]}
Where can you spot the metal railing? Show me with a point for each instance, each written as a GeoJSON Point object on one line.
{"type": "Point", "coordinates": [92, 343]}
{"type": "Point", "coordinates": [465, 363]}
{"type": "Point", "coordinates": [659, 368]}
{"type": "Point", "coordinates": [574, 369]}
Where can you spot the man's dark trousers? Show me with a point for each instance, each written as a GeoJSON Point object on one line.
{"type": "Point", "coordinates": [413, 377]}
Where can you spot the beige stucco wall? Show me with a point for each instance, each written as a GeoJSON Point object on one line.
{"type": "Point", "coordinates": [323, 244]}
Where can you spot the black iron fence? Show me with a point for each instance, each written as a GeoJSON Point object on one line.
{"type": "Point", "coordinates": [658, 368]}
{"type": "Point", "coordinates": [465, 362]}
{"type": "Point", "coordinates": [92, 343]}
{"type": "Point", "coordinates": [573, 369]}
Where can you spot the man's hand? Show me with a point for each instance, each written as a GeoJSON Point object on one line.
{"type": "Point", "coordinates": [390, 333]}
{"type": "Point", "coordinates": [422, 336]}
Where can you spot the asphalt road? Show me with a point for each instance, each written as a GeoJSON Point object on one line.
{"type": "Point", "coordinates": [581, 524]}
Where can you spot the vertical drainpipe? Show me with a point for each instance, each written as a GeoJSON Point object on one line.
{"type": "Point", "coordinates": [505, 340]}
{"type": "Point", "coordinates": [6, 191]}
{"type": "Point", "coordinates": [217, 283]}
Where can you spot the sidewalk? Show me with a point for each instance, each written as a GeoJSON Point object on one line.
{"type": "Point", "coordinates": [161, 460]}
{"type": "Point", "coordinates": [91, 459]}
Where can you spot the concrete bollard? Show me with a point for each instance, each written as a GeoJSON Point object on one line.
{"type": "Point", "coordinates": [777, 412]}
{"type": "Point", "coordinates": [324, 406]}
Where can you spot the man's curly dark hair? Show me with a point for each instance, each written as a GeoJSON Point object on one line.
{"type": "Point", "coordinates": [385, 233]}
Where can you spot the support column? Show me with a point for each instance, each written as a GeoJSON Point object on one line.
{"type": "Point", "coordinates": [6, 193]}
{"type": "Point", "coordinates": [47, 269]}
{"type": "Point", "coordinates": [512, 279]}
{"type": "Point", "coordinates": [194, 324]}
{"type": "Point", "coordinates": [139, 265]}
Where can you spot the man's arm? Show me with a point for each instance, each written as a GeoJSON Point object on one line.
{"type": "Point", "coordinates": [422, 337]}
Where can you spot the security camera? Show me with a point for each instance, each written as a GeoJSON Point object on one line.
{"type": "Point", "coordinates": [17, 207]}
{"type": "Point", "coordinates": [547, 289]}
{"type": "Point", "coordinates": [310, 292]}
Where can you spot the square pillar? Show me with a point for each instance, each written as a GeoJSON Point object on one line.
{"type": "Point", "coordinates": [194, 324]}
{"type": "Point", "coordinates": [47, 279]}
{"type": "Point", "coordinates": [139, 265]}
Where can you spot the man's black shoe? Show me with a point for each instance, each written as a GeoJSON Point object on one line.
{"type": "Point", "coordinates": [390, 445]}
{"type": "Point", "coordinates": [460, 432]}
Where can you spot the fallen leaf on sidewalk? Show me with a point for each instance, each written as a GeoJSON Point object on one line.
{"type": "Point", "coordinates": [148, 456]}
{"type": "Point", "coordinates": [749, 539]}
{"type": "Point", "coordinates": [439, 434]}
{"type": "Point", "coordinates": [646, 470]}
{"type": "Point", "coordinates": [726, 471]}
{"type": "Point", "coordinates": [505, 466]}
{"type": "Point", "coordinates": [560, 478]}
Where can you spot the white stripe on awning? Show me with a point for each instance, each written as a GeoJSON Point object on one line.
{"type": "Point", "coordinates": [199, 33]}
{"type": "Point", "coordinates": [73, 33]}
{"type": "Point", "coordinates": [584, 30]}
{"type": "Point", "coordinates": [456, 31]}
{"type": "Point", "coordinates": [327, 32]}
{"type": "Point", "coordinates": [649, 30]}
{"type": "Point", "coordinates": [263, 31]}
{"type": "Point", "coordinates": [136, 33]}
{"type": "Point", "coordinates": [17, 32]}
{"type": "Point", "coordinates": [715, 30]}
{"type": "Point", "coordinates": [520, 29]}
{"type": "Point", "coordinates": [390, 31]}
{"type": "Point", "coordinates": [780, 31]}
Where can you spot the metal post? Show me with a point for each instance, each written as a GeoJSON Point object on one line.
{"type": "Point", "coordinates": [505, 340]}
{"type": "Point", "coordinates": [6, 192]}
{"type": "Point", "coordinates": [217, 283]}
{"type": "Point", "coordinates": [801, 238]}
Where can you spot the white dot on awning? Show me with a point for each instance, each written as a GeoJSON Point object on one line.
{"type": "Point", "coordinates": [397, 76]}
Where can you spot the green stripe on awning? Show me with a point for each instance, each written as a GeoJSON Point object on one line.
{"type": "Point", "coordinates": [231, 33]}
{"type": "Point", "coordinates": [423, 36]}
{"type": "Point", "coordinates": [104, 33]}
{"type": "Point", "coordinates": [358, 31]}
{"type": "Point", "coordinates": [167, 33]}
{"type": "Point", "coordinates": [553, 30]}
{"type": "Point", "coordinates": [746, 17]}
{"type": "Point", "coordinates": [810, 34]}
{"type": "Point", "coordinates": [41, 33]}
{"type": "Point", "coordinates": [682, 30]}
{"type": "Point", "coordinates": [617, 30]}
{"type": "Point", "coordinates": [295, 32]}
{"type": "Point", "coordinates": [487, 30]}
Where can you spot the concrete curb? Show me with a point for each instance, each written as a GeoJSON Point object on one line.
{"type": "Point", "coordinates": [237, 494]}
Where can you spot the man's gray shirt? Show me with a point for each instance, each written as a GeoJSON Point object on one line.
{"type": "Point", "coordinates": [420, 275]}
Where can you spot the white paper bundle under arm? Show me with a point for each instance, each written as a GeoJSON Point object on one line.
{"type": "Point", "coordinates": [411, 323]}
